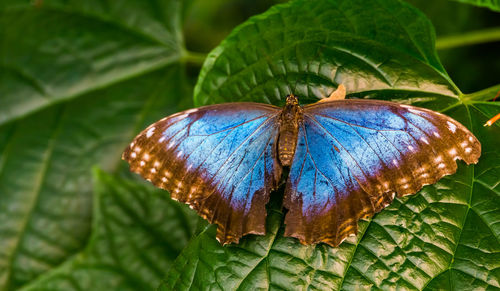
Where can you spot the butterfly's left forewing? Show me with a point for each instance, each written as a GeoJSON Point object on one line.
{"type": "Point", "coordinates": [353, 156]}
{"type": "Point", "coordinates": [219, 159]}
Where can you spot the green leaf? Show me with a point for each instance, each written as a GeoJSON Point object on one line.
{"type": "Point", "coordinates": [45, 162]}
{"type": "Point", "coordinates": [98, 45]}
{"type": "Point", "coordinates": [446, 237]}
{"type": "Point", "coordinates": [309, 48]}
{"type": "Point", "coordinates": [73, 96]}
{"type": "Point", "coordinates": [138, 231]}
{"type": "Point", "coordinates": [492, 4]}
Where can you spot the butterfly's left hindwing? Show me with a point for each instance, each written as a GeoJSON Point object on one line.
{"type": "Point", "coordinates": [353, 156]}
{"type": "Point", "coordinates": [219, 159]}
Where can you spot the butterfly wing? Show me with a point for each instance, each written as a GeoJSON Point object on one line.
{"type": "Point", "coordinates": [219, 159]}
{"type": "Point", "coordinates": [353, 156]}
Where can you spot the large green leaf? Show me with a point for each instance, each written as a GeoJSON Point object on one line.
{"type": "Point", "coordinates": [75, 88]}
{"type": "Point", "coordinates": [99, 44]}
{"type": "Point", "coordinates": [45, 194]}
{"type": "Point", "coordinates": [445, 237]}
{"type": "Point", "coordinates": [310, 47]}
{"type": "Point", "coordinates": [138, 232]}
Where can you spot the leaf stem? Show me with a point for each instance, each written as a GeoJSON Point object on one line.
{"type": "Point", "coordinates": [483, 95]}
{"type": "Point", "coordinates": [193, 57]}
{"type": "Point", "coordinates": [468, 38]}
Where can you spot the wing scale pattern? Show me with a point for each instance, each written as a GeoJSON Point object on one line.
{"type": "Point", "coordinates": [352, 158]}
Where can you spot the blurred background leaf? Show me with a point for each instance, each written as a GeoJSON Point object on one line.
{"type": "Point", "coordinates": [76, 87]}
{"type": "Point", "coordinates": [138, 231]}
{"type": "Point", "coordinates": [79, 79]}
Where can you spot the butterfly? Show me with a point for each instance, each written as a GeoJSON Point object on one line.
{"type": "Point", "coordinates": [347, 160]}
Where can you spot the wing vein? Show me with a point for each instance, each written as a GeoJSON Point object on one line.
{"type": "Point", "coordinates": [324, 129]}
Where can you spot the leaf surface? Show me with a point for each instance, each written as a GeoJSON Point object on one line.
{"type": "Point", "coordinates": [98, 45]}
{"type": "Point", "coordinates": [138, 232]}
{"type": "Point", "coordinates": [309, 48]}
{"type": "Point", "coordinates": [73, 96]}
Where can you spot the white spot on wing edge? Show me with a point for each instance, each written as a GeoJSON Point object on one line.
{"type": "Point", "coordinates": [133, 155]}
{"type": "Point", "coordinates": [414, 111]}
{"type": "Point", "coordinates": [193, 110]}
{"type": "Point", "coordinates": [150, 132]}
{"type": "Point", "coordinates": [181, 115]}
{"type": "Point", "coordinates": [451, 126]}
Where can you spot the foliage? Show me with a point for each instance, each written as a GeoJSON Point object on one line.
{"type": "Point", "coordinates": [492, 4]}
{"type": "Point", "coordinates": [138, 232]}
{"type": "Point", "coordinates": [80, 79]}
{"type": "Point", "coordinates": [444, 237]}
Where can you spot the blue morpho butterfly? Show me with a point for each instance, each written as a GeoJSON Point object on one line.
{"type": "Point", "coordinates": [348, 159]}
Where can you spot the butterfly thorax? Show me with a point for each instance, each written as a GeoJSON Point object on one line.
{"type": "Point", "coordinates": [290, 120]}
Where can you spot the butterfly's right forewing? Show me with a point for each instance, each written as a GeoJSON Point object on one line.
{"type": "Point", "coordinates": [219, 159]}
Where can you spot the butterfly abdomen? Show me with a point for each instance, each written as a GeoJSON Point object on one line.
{"type": "Point", "coordinates": [290, 120]}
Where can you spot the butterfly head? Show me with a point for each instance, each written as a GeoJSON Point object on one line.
{"type": "Point", "coordinates": [292, 100]}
